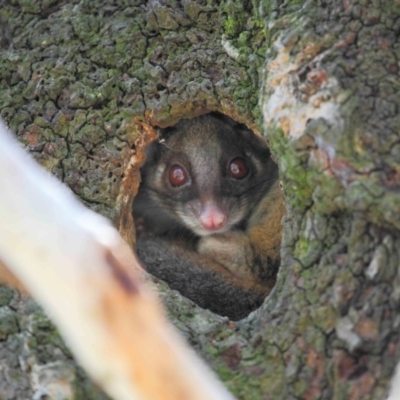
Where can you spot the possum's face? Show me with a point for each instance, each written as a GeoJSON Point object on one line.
{"type": "Point", "coordinates": [209, 176]}
{"type": "Point", "coordinates": [207, 195]}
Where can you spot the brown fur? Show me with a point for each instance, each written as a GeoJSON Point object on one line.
{"type": "Point", "coordinates": [229, 272]}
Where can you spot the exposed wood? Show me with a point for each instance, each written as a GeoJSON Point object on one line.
{"type": "Point", "coordinates": [74, 74]}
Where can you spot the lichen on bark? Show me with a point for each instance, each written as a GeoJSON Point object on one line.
{"type": "Point", "coordinates": [79, 81]}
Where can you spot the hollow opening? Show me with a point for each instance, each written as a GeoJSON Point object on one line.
{"type": "Point", "coordinates": [208, 214]}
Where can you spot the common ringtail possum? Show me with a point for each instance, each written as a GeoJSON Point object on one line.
{"type": "Point", "coordinates": [208, 214]}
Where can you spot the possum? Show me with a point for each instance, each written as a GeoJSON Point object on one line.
{"type": "Point", "coordinates": [208, 214]}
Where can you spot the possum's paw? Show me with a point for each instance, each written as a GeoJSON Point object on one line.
{"type": "Point", "coordinates": [232, 250]}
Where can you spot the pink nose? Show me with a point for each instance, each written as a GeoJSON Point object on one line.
{"type": "Point", "coordinates": [212, 218]}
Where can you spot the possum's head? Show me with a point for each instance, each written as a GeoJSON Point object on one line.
{"type": "Point", "coordinates": [209, 173]}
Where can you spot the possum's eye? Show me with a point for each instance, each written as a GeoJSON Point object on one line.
{"type": "Point", "coordinates": [238, 168]}
{"type": "Point", "coordinates": [177, 176]}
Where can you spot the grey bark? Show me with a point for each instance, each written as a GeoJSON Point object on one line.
{"type": "Point", "coordinates": [72, 77]}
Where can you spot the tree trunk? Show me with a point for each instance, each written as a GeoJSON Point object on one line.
{"type": "Point", "coordinates": [82, 83]}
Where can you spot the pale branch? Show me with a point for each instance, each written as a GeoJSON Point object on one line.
{"type": "Point", "coordinates": [394, 393]}
{"type": "Point", "coordinates": [75, 264]}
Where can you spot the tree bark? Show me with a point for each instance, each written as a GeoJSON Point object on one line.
{"type": "Point", "coordinates": [82, 83]}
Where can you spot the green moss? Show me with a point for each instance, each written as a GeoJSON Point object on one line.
{"type": "Point", "coordinates": [231, 26]}
{"type": "Point", "coordinates": [30, 7]}
{"type": "Point", "coordinates": [236, 18]}
{"type": "Point", "coordinates": [6, 295]}
{"type": "Point", "coordinates": [324, 317]}
{"type": "Point", "coordinates": [252, 387]}
{"type": "Point", "coordinates": [296, 178]}
{"type": "Point", "coordinates": [8, 323]}
{"type": "Point", "coordinates": [300, 386]}
{"type": "Point", "coordinates": [392, 8]}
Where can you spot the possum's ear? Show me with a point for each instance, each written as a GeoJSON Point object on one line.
{"type": "Point", "coordinates": [164, 134]}
{"type": "Point", "coordinates": [152, 151]}
{"type": "Point", "coordinates": [255, 141]}
{"type": "Point", "coordinates": [237, 126]}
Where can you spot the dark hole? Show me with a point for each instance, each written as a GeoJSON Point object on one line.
{"type": "Point", "coordinates": [160, 87]}
{"type": "Point", "coordinates": [303, 74]}
{"type": "Point", "coordinates": [203, 217]}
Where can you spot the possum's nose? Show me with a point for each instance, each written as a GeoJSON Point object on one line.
{"type": "Point", "coordinates": [212, 217]}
